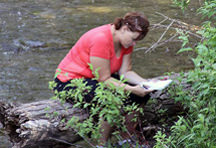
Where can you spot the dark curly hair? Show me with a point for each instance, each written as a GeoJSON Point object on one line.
{"type": "Point", "coordinates": [136, 22]}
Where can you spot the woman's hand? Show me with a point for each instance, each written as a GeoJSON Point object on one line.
{"type": "Point", "coordinates": [140, 91]}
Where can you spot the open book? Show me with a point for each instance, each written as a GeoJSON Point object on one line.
{"type": "Point", "coordinates": [156, 84]}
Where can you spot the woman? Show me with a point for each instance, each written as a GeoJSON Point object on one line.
{"type": "Point", "coordinates": [108, 47]}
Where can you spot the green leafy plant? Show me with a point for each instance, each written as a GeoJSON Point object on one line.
{"type": "Point", "coordinates": [182, 3]}
{"type": "Point", "coordinates": [198, 127]}
{"type": "Point", "coordinates": [108, 104]}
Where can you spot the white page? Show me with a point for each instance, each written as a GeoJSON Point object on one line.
{"type": "Point", "coordinates": [156, 84]}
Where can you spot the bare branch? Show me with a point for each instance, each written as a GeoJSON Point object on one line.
{"type": "Point", "coordinates": [155, 44]}
{"type": "Point", "coordinates": [174, 20]}
{"type": "Point", "coordinates": [171, 39]}
{"type": "Point", "coordinates": [141, 48]}
{"type": "Point", "coordinates": [173, 25]}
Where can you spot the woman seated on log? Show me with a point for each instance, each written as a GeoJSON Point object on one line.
{"type": "Point", "coordinates": [108, 47]}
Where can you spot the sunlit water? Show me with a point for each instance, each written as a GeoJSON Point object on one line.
{"type": "Point", "coordinates": [36, 34]}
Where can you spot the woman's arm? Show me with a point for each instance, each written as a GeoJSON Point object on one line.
{"type": "Point", "coordinates": [105, 76]}
{"type": "Point", "coordinates": [104, 72]}
{"type": "Point", "coordinates": [126, 70]}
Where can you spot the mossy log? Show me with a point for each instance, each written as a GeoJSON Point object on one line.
{"type": "Point", "coordinates": [39, 124]}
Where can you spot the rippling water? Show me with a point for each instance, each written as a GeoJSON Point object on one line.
{"type": "Point", "coordinates": [36, 34]}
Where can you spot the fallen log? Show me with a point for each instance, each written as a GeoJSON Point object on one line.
{"type": "Point", "coordinates": [39, 124]}
{"type": "Point", "coordinates": [36, 125]}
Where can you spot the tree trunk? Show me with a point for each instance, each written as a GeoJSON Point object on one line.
{"type": "Point", "coordinates": [39, 124]}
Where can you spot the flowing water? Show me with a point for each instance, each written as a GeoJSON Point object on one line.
{"type": "Point", "coordinates": [36, 34]}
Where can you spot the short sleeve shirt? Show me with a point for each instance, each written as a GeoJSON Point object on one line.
{"type": "Point", "coordinates": [97, 42]}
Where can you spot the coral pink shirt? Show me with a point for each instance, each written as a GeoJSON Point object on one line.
{"type": "Point", "coordinates": [97, 42]}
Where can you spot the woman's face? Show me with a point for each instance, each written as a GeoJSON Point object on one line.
{"type": "Point", "coordinates": [127, 37]}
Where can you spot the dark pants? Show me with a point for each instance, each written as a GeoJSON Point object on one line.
{"type": "Point", "coordinates": [93, 83]}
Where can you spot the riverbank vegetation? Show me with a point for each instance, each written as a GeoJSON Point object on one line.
{"type": "Point", "coordinates": [197, 129]}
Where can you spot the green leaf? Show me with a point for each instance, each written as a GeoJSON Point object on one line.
{"type": "Point", "coordinates": [86, 105]}
{"type": "Point", "coordinates": [47, 109]}
{"type": "Point", "coordinates": [212, 42]}
{"type": "Point", "coordinates": [202, 49]}
{"type": "Point", "coordinates": [184, 49]}
{"type": "Point", "coordinates": [58, 71]}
